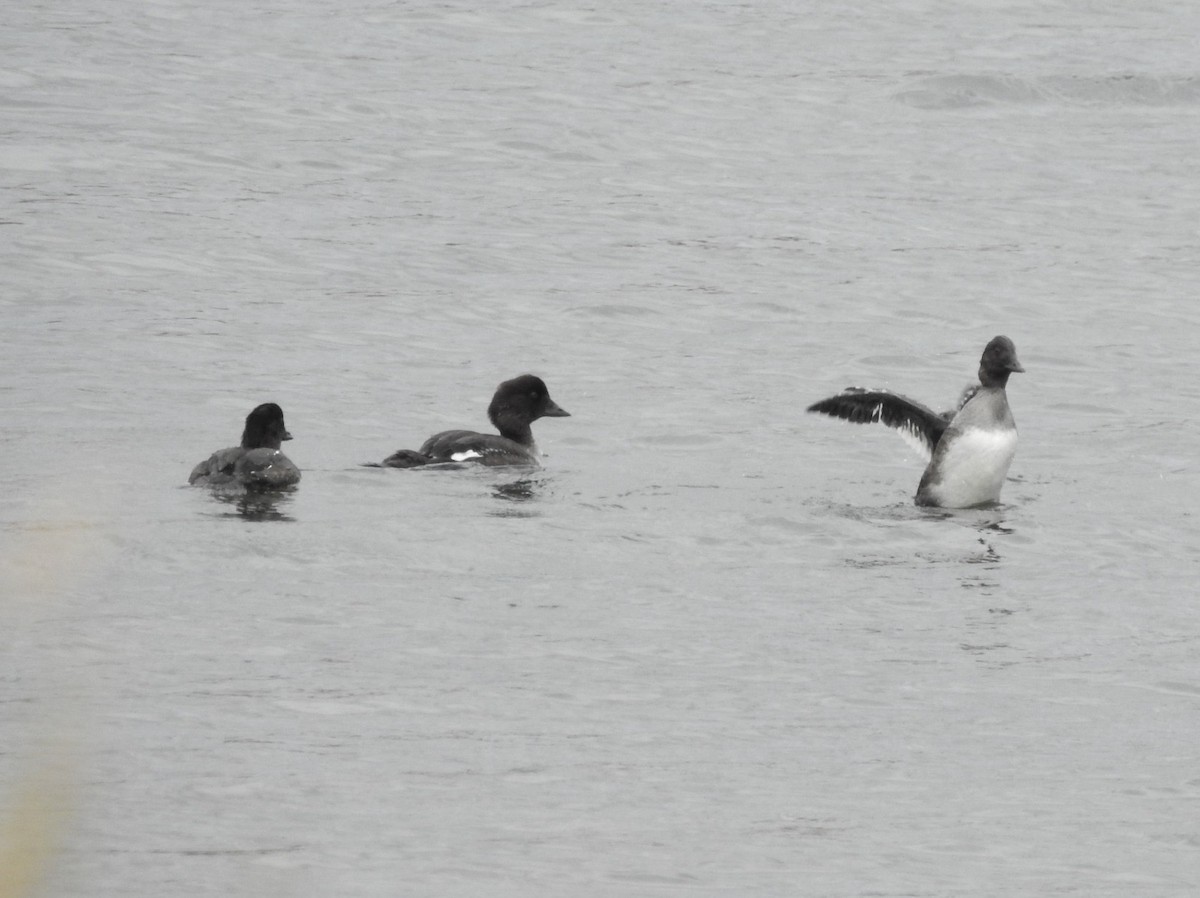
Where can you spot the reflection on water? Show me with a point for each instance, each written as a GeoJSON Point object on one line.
{"type": "Point", "coordinates": [988, 556]}
{"type": "Point", "coordinates": [897, 511]}
{"type": "Point", "coordinates": [929, 548]}
{"type": "Point", "coordinates": [256, 506]}
{"type": "Point", "coordinates": [517, 493]}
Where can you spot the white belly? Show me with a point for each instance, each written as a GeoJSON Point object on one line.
{"type": "Point", "coordinates": [972, 469]}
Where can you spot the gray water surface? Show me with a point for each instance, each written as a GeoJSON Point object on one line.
{"type": "Point", "coordinates": [710, 648]}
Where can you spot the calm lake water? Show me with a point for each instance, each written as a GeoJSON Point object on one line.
{"type": "Point", "coordinates": [711, 648]}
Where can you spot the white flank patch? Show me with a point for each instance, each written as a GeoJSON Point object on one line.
{"type": "Point", "coordinates": [465, 456]}
{"type": "Point", "coordinates": [974, 466]}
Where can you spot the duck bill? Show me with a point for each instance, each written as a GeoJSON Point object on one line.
{"type": "Point", "coordinates": [1015, 367]}
{"type": "Point", "coordinates": [287, 435]}
{"type": "Point", "coordinates": [553, 411]}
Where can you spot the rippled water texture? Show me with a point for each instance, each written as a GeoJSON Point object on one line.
{"type": "Point", "coordinates": [711, 648]}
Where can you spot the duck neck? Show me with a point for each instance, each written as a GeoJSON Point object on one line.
{"type": "Point", "coordinates": [518, 433]}
{"type": "Point", "coordinates": [250, 441]}
{"type": "Point", "coordinates": [512, 429]}
{"type": "Point", "coordinates": [992, 377]}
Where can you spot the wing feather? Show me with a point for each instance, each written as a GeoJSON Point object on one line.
{"type": "Point", "coordinates": [921, 427]}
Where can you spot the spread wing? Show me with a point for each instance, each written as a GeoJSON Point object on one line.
{"type": "Point", "coordinates": [920, 426]}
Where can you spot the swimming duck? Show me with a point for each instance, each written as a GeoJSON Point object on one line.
{"type": "Point", "coordinates": [516, 404]}
{"type": "Point", "coordinates": [256, 464]}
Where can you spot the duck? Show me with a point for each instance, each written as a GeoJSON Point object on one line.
{"type": "Point", "coordinates": [258, 463]}
{"type": "Point", "coordinates": [516, 404]}
{"type": "Point", "coordinates": [969, 450]}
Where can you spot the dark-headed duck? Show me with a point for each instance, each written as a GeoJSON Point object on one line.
{"type": "Point", "coordinates": [516, 405]}
{"type": "Point", "coordinates": [256, 464]}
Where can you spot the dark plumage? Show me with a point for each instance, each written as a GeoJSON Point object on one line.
{"type": "Point", "coordinates": [516, 404]}
{"type": "Point", "coordinates": [915, 422]}
{"type": "Point", "coordinates": [257, 463]}
{"type": "Point", "coordinates": [969, 449]}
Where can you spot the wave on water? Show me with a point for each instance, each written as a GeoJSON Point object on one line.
{"type": "Point", "coordinates": [966, 91]}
